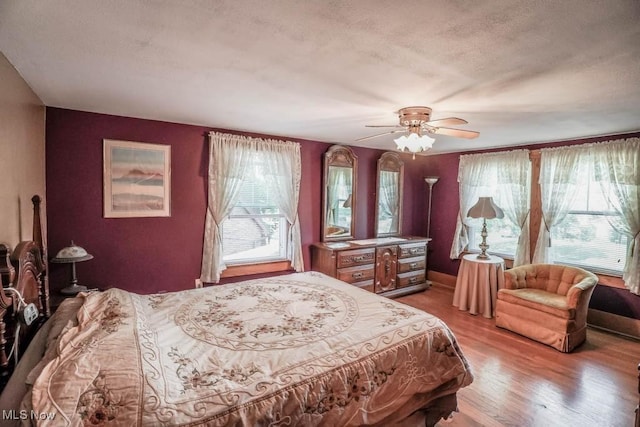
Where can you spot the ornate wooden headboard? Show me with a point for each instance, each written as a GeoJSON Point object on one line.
{"type": "Point", "coordinates": [23, 273]}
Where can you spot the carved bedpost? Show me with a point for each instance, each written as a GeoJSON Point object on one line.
{"type": "Point", "coordinates": [7, 272]}
{"type": "Point", "coordinates": [37, 238]}
{"type": "Point", "coordinates": [37, 224]}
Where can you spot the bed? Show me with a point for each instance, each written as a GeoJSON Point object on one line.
{"type": "Point", "coordinates": [299, 349]}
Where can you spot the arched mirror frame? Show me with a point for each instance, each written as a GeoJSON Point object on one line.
{"type": "Point", "coordinates": [390, 162]}
{"type": "Point", "coordinates": [339, 156]}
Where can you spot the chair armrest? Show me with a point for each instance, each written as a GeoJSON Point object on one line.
{"type": "Point", "coordinates": [580, 293]}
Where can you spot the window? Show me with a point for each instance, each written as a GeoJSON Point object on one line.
{"type": "Point", "coordinates": [256, 229]}
{"type": "Point", "coordinates": [586, 238]}
{"type": "Point", "coordinates": [252, 207]}
{"type": "Point", "coordinates": [502, 237]}
{"type": "Point", "coordinates": [589, 196]}
{"type": "Point", "coordinates": [506, 177]}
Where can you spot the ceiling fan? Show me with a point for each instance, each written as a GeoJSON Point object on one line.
{"type": "Point", "coordinates": [416, 121]}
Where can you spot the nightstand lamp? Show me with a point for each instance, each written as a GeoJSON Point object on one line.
{"type": "Point", "coordinates": [485, 209]}
{"type": "Point", "coordinates": [71, 255]}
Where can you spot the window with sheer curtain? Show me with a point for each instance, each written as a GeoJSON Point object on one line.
{"type": "Point", "coordinates": [505, 176]}
{"type": "Point", "coordinates": [591, 208]}
{"type": "Point", "coordinates": [252, 207]}
{"type": "Point", "coordinates": [585, 237]}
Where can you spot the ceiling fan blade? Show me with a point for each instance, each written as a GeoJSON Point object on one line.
{"type": "Point", "coordinates": [383, 126]}
{"type": "Point", "coordinates": [380, 134]}
{"type": "Point", "coordinates": [469, 134]}
{"type": "Point", "coordinates": [449, 121]}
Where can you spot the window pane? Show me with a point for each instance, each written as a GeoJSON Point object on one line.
{"type": "Point", "coordinates": [588, 241]}
{"type": "Point", "coordinates": [256, 229]}
{"type": "Point", "coordinates": [254, 238]}
{"type": "Point", "coordinates": [255, 192]}
{"type": "Point", "coordinates": [502, 236]}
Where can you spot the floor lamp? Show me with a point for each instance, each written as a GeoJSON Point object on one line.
{"type": "Point", "coordinates": [429, 180]}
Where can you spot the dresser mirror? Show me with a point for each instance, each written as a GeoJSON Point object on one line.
{"type": "Point", "coordinates": [390, 180]}
{"type": "Point", "coordinates": [339, 197]}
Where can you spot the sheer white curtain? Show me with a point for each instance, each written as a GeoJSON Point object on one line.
{"type": "Point", "coordinates": [336, 182]}
{"type": "Point", "coordinates": [563, 173]}
{"type": "Point", "coordinates": [389, 202]}
{"type": "Point", "coordinates": [229, 157]}
{"type": "Point", "coordinates": [514, 197]}
{"type": "Point", "coordinates": [505, 176]}
{"type": "Point", "coordinates": [617, 168]}
{"type": "Point", "coordinates": [473, 175]}
{"type": "Point", "coordinates": [284, 171]}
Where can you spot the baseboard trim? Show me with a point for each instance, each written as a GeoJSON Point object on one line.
{"type": "Point", "coordinates": [447, 280]}
{"type": "Point", "coordinates": [614, 323]}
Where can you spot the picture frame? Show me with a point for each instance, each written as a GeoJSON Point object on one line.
{"type": "Point", "coordinates": [136, 179]}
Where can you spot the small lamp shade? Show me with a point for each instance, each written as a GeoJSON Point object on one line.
{"type": "Point", "coordinates": [485, 208]}
{"type": "Point", "coordinates": [431, 180]}
{"type": "Point", "coordinates": [71, 255]}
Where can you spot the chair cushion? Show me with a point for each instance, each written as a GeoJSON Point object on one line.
{"type": "Point", "coordinates": [538, 299]}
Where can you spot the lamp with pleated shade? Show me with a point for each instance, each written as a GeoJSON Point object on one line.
{"type": "Point", "coordinates": [486, 209]}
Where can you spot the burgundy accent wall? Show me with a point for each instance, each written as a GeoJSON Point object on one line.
{"type": "Point", "coordinates": [147, 255]}
{"type": "Point", "coordinates": [446, 203]}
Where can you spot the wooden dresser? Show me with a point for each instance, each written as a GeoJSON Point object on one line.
{"type": "Point", "coordinates": [387, 266]}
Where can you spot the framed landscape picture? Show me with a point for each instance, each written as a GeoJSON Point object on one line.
{"type": "Point", "coordinates": [136, 179]}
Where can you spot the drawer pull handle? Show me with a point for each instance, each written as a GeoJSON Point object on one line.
{"type": "Point", "coordinates": [413, 265]}
{"type": "Point", "coordinates": [415, 250]}
{"type": "Point", "coordinates": [413, 280]}
{"type": "Point", "coordinates": [357, 258]}
{"type": "Point", "coordinates": [358, 275]}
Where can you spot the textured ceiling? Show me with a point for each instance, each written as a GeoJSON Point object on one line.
{"type": "Point", "coordinates": [518, 71]}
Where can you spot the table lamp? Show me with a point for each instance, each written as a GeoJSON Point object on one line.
{"type": "Point", "coordinates": [485, 209]}
{"type": "Point", "coordinates": [71, 255]}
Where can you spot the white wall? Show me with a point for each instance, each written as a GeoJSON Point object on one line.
{"type": "Point", "coordinates": [22, 155]}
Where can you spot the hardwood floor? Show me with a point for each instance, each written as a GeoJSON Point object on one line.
{"type": "Point", "coordinates": [519, 382]}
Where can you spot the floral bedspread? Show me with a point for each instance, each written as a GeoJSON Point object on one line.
{"type": "Point", "coordinates": [302, 349]}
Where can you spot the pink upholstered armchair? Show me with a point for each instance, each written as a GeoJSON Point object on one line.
{"type": "Point", "coordinates": [547, 303]}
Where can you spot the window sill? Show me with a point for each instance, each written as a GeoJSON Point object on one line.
{"type": "Point", "coordinates": [259, 268]}
{"type": "Point", "coordinates": [611, 281]}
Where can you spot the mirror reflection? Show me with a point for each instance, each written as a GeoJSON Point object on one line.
{"type": "Point", "coordinates": [339, 197]}
{"type": "Point", "coordinates": [389, 195]}
{"type": "Point", "coordinates": [339, 201]}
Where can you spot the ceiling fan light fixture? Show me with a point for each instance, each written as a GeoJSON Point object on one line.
{"type": "Point", "coordinates": [414, 143]}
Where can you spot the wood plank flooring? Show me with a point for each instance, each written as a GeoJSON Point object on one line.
{"type": "Point", "coordinates": [519, 382]}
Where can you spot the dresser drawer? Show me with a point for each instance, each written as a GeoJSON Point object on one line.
{"type": "Point", "coordinates": [412, 250]}
{"type": "Point", "coordinates": [356, 274]}
{"type": "Point", "coordinates": [411, 264]}
{"type": "Point", "coordinates": [411, 278]}
{"type": "Point", "coordinates": [356, 257]}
